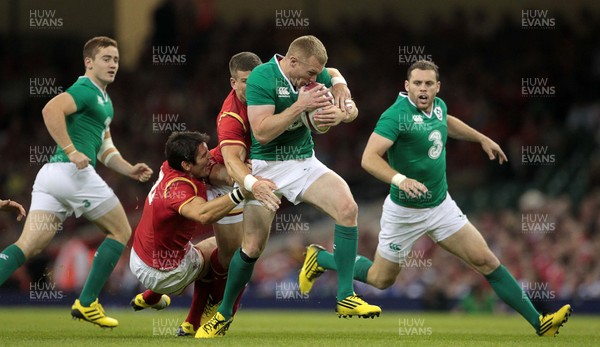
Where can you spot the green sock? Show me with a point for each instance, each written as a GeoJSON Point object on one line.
{"type": "Point", "coordinates": [507, 288]}
{"type": "Point", "coordinates": [239, 274]}
{"type": "Point", "coordinates": [361, 265]}
{"type": "Point", "coordinates": [105, 260]}
{"type": "Point", "coordinates": [325, 260]}
{"type": "Point", "coordinates": [11, 259]}
{"type": "Point", "coordinates": [345, 244]}
{"type": "Point", "coordinates": [361, 268]}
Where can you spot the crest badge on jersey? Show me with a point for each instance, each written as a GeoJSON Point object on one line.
{"type": "Point", "coordinates": [438, 112]}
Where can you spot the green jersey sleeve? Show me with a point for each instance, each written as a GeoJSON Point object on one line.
{"type": "Point", "coordinates": [82, 95]}
{"type": "Point", "coordinates": [325, 78]}
{"type": "Point", "coordinates": [388, 125]}
{"type": "Point", "coordinates": [259, 89]}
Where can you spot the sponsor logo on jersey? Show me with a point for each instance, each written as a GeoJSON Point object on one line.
{"type": "Point", "coordinates": [438, 112]}
{"type": "Point", "coordinates": [283, 92]}
{"type": "Point", "coordinates": [417, 118]}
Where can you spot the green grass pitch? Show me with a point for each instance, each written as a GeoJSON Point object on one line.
{"type": "Point", "coordinates": [54, 327]}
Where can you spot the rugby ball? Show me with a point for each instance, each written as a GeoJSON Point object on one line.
{"type": "Point", "coordinates": [308, 117]}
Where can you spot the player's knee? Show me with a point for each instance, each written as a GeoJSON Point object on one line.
{"type": "Point", "coordinates": [253, 250]}
{"type": "Point", "coordinates": [485, 263]}
{"type": "Point", "coordinates": [348, 212]}
{"type": "Point", "coordinates": [121, 233]}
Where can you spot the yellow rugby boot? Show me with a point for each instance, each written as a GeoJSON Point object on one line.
{"type": "Point", "coordinates": [217, 326]}
{"type": "Point", "coordinates": [185, 329]}
{"type": "Point", "coordinates": [93, 314]}
{"type": "Point", "coordinates": [310, 269]}
{"type": "Point", "coordinates": [210, 309]}
{"type": "Point", "coordinates": [138, 303]}
{"type": "Point", "coordinates": [353, 305]}
{"type": "Point", "coordinates": [550, 323]}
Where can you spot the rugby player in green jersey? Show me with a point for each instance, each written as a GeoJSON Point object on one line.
{"type": "Point", "coordinates": [412, 133]}
{"type": "Point", "coordinates": [282, 151]}
{"type": "Point", "coordinates": [78, 120]}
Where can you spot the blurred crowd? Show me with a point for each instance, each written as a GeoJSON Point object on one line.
{"type": "Point", "coordinates": [482, 74]}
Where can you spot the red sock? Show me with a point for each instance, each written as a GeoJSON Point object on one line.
{"type": "Point", "coordinates": [216, 266]}
{"type": "Point", "coordinates": [151, 297]}
{"type": "Point", "coordinates": [218, 275]}
{"type": "Point", "coordinates": [201, 290]}
{"type": "Point", "coordinates": [237, 301]}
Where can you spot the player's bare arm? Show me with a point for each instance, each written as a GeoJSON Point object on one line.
{"type": "Point", "coordinates": [261, 188]}
{"type": "Point", "coordinates": [340, 90]}
{"type": "Point", "coordinates": [112, 159]}
{"type": "Point", "coordinates": [209, 212]}
{"type": "Point", "coordinates": [374, 163]}
{"type": "Point", "coordinates": [457, 129]}
{"type": "Point", "coordinates": [266, 125]}
{"type": "Point", "coordinates": [54, 114]}
{"type": "Point", "coordinates": [219, 176]}
{"type": "Point", "coordinates": [13, 206]}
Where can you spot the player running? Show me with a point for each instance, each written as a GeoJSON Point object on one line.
{"type": "Point", "coordinates": [78, 120]}
{"type": "Point", "coordinates": [282, 151]}
{"type": "Point", "coordinates": [413, 133]}
{"type": "Point", "coordinates": [233, 130]}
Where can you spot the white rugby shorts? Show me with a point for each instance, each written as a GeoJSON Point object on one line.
{"type": "Point", "coordinates": [171, 281]}
{"type": "Point", "coordinates": [63, 189]}
{"type": "Point", "coordinates": [402, 226]}
{"type": "Point", "coordinates": [292, 177]}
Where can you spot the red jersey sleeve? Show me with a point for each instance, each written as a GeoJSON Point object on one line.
{"type": "Point", "coordinates": [178, 192]}
{"type": "Point", "coordinates": [231, 130]}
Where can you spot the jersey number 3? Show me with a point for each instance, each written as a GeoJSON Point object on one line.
{"type": "Point", "coordinates": [436, 149]}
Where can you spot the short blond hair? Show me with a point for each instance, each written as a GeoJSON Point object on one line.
{"type": "Point", "coordinates": [307, 46]}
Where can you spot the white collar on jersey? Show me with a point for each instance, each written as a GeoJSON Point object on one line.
{"type": "Point", "coordinates": [104, 94]}
{"type": "Point", "coordinates": [282, 74]}
{"type": "Point", "coordinates": [405, 94]}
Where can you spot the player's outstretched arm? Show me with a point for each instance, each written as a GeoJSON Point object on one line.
{"type": "Point", "coordinates": [262, 189]}
{"type": "Point", "coordinates": [457, 129]}
{"type": "Point", "coordinates": [112, 159]}
{"type": "Point", "coordinates": [9, 205]}
{"type": "Point", "coordinates": [209, 212]}
{"type": "Point", "coordinates": [374, 163]}
{"type": "Point", "coordinates": [54, 114]}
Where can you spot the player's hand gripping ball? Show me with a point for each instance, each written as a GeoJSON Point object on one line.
{"type": "Point", "coordinates": [308, 117]}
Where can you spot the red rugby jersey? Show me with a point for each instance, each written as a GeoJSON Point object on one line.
{"type": "Point", "coordinates": [162, 237]}
{"type": "Point", "coordinates": [233, 127]}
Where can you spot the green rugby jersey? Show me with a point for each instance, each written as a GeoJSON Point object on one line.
{"type": "Point", "coordinates": [86, 127]}
{"type": "Point", "coordinates": [267, 85]}
{"type": "Point", "coordinates": [419, 149]}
